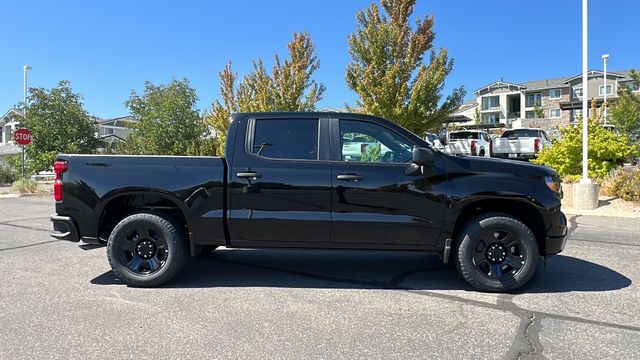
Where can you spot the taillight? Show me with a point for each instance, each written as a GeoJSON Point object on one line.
{"type": "Point", "coordinates": [59, 167]}
{"type": "Point", "coordinates": [536, 145]}
{"type": "Point", "coordinates": [474, 147]}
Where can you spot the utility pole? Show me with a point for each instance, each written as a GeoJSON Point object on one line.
{"type": "Point", "coordinates": [585, 96]}
{"type": "Point", "coordinates": [604, 58]}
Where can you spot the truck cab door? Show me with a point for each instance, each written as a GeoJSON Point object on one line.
{"type": "Point", "coordinates": [280, 182]}
{"type": "Point", "coordinates": [374, 203]}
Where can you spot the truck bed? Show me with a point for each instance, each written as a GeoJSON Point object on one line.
{"type": "Point", "coordinates": [94, 185]}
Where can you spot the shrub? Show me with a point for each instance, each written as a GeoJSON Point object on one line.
{"type": "Point", "coordinates": [7, 175]}
{"type": "Point", "coordinates": [607, 150]}
{"type": "Point", "coordinates": [25, 186]}
{"type": "Point", "coordinates": [624, 183]}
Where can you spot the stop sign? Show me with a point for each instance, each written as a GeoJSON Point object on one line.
{"type": "Point", "coordinates": [22, 136]}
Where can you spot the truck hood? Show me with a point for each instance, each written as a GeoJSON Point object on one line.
{"type": "Point", "coordinates": [492, 165]}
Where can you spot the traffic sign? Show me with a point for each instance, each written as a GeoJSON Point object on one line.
{"type": "Point", "coordinates": [22, 136]}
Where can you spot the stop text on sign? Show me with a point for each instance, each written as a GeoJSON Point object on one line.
{"type": "Point", "coordinates": [22, 136]}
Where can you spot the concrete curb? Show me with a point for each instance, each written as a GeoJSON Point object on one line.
{"type": "Point", "coordinates": [602, 213]}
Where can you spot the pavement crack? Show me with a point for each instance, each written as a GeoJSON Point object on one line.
{"type": "Point", "coordinates": [526, 344]}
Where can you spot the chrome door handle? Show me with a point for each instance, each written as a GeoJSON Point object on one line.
{"type": "Point", "coordinates": [349, 177]}
{"type": "Point", "coordinates": [249, 175]}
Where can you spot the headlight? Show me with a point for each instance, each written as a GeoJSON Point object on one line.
{"type": "Point", "coordinates": [553, 183]}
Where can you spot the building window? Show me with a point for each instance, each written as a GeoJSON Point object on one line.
{"type": "Point", "coordinates": [632, 85]}
{"type": "Point", "coordinates": [529, 115]}
{"type": "Point", "coordinates": [576, 114]}
{"type": "Point", "coordinates": [577, 92]}
{"type": "Point", "coordinates": [533, 99]}
{"type": "Point", "coordinates": [555, 94]}
{"type": "Point", "coordinates": [490, 102]}
{"type": "Point", "coordinates": [609, 90]}
{"type": "Point", "coordinates": [555, 113]}
{"type": "Point", "coordinates": [490, 118]}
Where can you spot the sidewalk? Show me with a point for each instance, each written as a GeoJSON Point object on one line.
{"type": "Point", "coordinates": [609, 206]}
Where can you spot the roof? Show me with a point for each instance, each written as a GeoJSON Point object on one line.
{"type": "Point", "coordinates": [545, 84]}
{"type": "Point", "coordinates": [466, 106]}
{"type": "Point", "coordinates": [498, 84]}
{"type": "Point", "coordinates": [14, 111]}
{"type": "Point", "coordinates": [120, 118]}
{"type": "Point", "coordinates": [559, 82]}
{"type": "Point", "coordinates": [594, 72]}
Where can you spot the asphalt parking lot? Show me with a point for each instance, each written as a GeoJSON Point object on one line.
{"type": "Point", "coordinates": [59, 300]}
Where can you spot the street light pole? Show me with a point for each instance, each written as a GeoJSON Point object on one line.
{"type": "Point", "coordinates": [604, 58]}
{"type": "Point", "coordinates": [585, 109]}
{"type": "Point", "coordinates": [24, 103]}
{"type": "Point", "coordinates": [24, 108]}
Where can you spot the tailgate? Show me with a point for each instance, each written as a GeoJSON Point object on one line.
{"type": "Point", "coordinates": [513, 146]}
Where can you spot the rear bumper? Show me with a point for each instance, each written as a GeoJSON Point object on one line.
{"type": "Point", "coordinates": [517, 157]}
{"type": "Point", "coordinates": [557, 237]}
{"type": "Point", "coordinates": [64, 228]}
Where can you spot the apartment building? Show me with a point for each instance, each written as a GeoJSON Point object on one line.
{"type": "Point", "coordinates": [559, 99]}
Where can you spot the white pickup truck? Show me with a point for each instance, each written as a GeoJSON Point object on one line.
{"type": "Point", "coordinates": [520, 144]}
{"type": "Point", "coordinates": [468, 142]}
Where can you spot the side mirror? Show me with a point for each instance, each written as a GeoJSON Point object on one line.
{"type": "Point", "coordinates": [443, 137]}
{"type": "Point", "coordinates": [422, 156]}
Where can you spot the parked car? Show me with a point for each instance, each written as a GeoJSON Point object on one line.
{"type": "Point", "coordinates": [285, 183]}
{"type": "Point", "coordinates": [520, 144]}
{"type": "Point", "coordinates": [467, 142]}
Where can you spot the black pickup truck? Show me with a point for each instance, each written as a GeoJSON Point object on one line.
{"type": "Point", "coordinates": [313, 180]}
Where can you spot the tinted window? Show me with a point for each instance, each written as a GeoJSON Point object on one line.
{"type": "Point", "coordinates": [367, 142]}
{"type": "Point", "coordinates": [520, 133]}
{"type": "Point", "coordinates": [461, 135]}
{"type": "Point", "coordinates": [286, 139]}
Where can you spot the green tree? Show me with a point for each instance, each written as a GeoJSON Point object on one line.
{"type": "Point", "coordinates": [59, 124]}
{"type": "Point", "coordinates": [290, 87]}
{"type": "Point", "coordinates": [607, 150]}
{"type": "Point", "coordinates": [537, 111]}
{"type": "Point", "coordinates": [388, 70]}
{"type": "Point", "coordinates": [166, 121]}
{"type": "Point", "coordinates": [625, 113]}
{"type": "Point", "coordinates": [477, 117]}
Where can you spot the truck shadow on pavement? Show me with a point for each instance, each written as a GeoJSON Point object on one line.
{"type": "Point", "coordinates": [368, 270]}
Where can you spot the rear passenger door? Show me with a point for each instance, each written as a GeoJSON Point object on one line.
{"type": "Point", "coordinates": [280, 182]}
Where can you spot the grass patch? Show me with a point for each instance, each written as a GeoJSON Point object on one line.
{"type": "Point", "coordinates": [25, 186]}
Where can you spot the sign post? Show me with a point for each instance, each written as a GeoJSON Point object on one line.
{"type": "Point", "coordinates": [23, 138]}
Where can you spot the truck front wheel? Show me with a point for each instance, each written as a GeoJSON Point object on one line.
{"type": "Point", "coordinates": [147, 249]}
{"type": "Point", "coordinates": [496, 253]}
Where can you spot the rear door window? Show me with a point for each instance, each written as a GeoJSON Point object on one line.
{"type": "Point", "coordinates": [464, 135]}
{"type": "Point", "coordinates": [520, 133]}
{"type": "Point", "coordinates": [295, 139]}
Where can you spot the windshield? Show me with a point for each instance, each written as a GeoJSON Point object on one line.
{"type": "Point", "coordinates": [521, 133]}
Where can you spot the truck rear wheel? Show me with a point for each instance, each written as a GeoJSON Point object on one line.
{"type": "Point", "coordinates": [147, 249]}
{"type": "Point", "coordinates": [496, 253]}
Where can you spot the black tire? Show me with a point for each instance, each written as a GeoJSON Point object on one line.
{"type": "Point", "coordinates": [496, 253]}
{"type": "Point", "coordinates": [147, 249]}
{"type": "Point", "coordinates": [481, 153]}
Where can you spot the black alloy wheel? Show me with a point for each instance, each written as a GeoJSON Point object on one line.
{"type": "Point", "coordinates": [499, 254]}
{"type": "Point", "coordinates": [147, 249]}
{"type": "Point", "coordinates": [496, 252]}
{"type": "Point", "coordinates": [143, 250]}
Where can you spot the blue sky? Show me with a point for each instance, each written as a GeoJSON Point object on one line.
{"type": "Point", "coordinates": [107, 48]}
